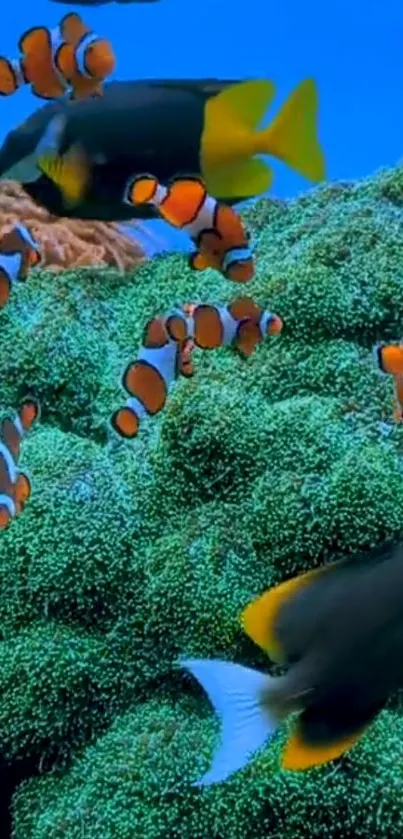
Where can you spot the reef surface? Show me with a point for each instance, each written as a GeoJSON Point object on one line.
{"type": "Point", "coordinates": [130, 555]}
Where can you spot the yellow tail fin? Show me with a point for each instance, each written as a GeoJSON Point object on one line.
{"type": "Point", "coordinates": [292, 136]}
{"type": "Point", "coordinates": [230, 122]}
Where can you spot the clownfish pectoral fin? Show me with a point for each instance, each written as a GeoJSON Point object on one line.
{"type": "Point", "coordinates": [10, 78]}
{"type": "Point", "coordinates": [22, 491]}
{"type": "Point", "coordinates": [199, 261]}
{"type": "Point", "coordinates": [125, 423]}
{"type": "Point", "coordinates": [390, 358]}
{"type": "Point", "coordinates": [69, 172]}
{"type": "Point", "coordinates": [241, 180]}
{"type": "Point", "coordinates": [247, 337]}
{"type": "Point", "coordinates": [259, 617]}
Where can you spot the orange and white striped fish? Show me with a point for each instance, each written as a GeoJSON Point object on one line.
{"type": "Point", "coordinates": [167, 347]}
{"type": "Point", "coordinates": [69, 59]}
{"type": "Point", "coordinates": [161, 359]}
{"type": "Point", "coordinates": [15, 485]}
{"type": "Point", "coordinates": [390, 360]}
{"type": "Point", "coordinates": [216, 229]}
{"type": "Point", "coordinates": [19, 252]}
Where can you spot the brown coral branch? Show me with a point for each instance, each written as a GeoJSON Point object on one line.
{"type": "Point", "coordinates": [68, 243]}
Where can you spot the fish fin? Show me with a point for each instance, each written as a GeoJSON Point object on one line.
{"type": "Point", "coordinates": [22, 491]}
{"type": "Point", "coordinates": [236, 695]}
{"type": "Point", "coordinates": [69, 172]}
{"type": "Point", "coordinates": [390, 358]}
{"type": "Point", "coordinates": [73, 28]}
{"type": "Point", "coordinates": [324, 732]}
{"type": "Point", "coordinates": [84, 88]}
{"type": "Point", "coordinates": [9, 77]}
{"type": "Point", "coordinates": [7, 510]}
{"type": "Point", "coordinates": [199, 261]}
{"type": "Point", "coordinates": [247, 337]}
{"type": "Point", "coordinates": [298, 754]}
{"type": "Point", "coordinates": [231, 119]}
{"type": "Point", "coordinates": [259, 617]}
{"type": "Point", "coordinates": [292, 136]}
{"type": "Point", "coordinates": [241, 180]}
{"type": "Point", "coordinates": [125, 423]}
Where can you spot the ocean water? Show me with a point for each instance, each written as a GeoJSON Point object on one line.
{"type": "Point", "coordinates": [130, 555]}
{"type": "Point", "coordinates": [353, 53]}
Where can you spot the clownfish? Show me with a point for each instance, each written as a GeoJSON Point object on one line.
{"type": "Point", "coordinates": [161, 359]}
{"type": "Point", "coordinates": [166, 352]}
{"type": "Point", "coordinates": [390, 360]}
{"type": "Point", "coordinates": [19, 252]}
{"type": "Point", "coordinates": [243, 324]}
{"type": "Point", "coordinates": [339, 632]}
{"type": "Point", "coordinates": [68, 59]}
{"type": "Point", "coordinates": [15, 485]}
{"type": "Point", "coordinates": [216, 229]}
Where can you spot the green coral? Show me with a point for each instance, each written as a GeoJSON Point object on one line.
{"type": "Point", "coordinates": [130, 555]}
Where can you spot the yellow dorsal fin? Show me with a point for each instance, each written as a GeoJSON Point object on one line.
{"type": "Point", "coordinates": [243, 180]}
{"type": "Point", "coordinates": [299, 755]}
{"type": "Point", "coordinates": [259, 617]}
{"type": "Point", "coordinates": [292, 136]}
{"type": "Point", "coordinates": [230, 122]}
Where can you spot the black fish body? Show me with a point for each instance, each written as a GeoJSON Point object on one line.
{"type": "Point", "coordinates": [135, 127]}
{"type": "Point", "coordinates": [340, 632]}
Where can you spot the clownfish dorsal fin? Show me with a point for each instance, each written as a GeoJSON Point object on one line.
{"type": "Point", "coordinates": [259, 617]}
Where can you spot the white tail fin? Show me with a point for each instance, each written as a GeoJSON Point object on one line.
{"type": "Point", "coordinates": [235, 693]}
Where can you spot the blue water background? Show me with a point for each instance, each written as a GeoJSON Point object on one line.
{"type": "Point", "coordinates": [354, 50]}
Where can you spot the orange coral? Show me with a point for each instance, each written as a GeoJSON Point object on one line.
{"type": "Point", "coordinates": [67, 243]}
